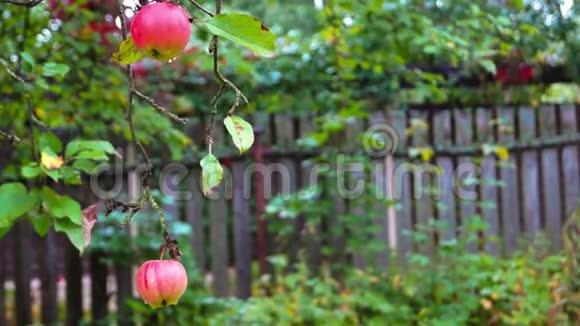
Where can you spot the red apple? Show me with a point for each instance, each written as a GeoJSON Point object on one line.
{"type": "Point", "coordinates": [161, 282]}
{"type": "Point", "coordinates": [161, 29]}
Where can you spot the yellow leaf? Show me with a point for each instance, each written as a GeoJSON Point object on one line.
{"type": "Point", "coordinates": [51, 162]}
{"type": "Point", "coordinates": [487, 304]}
{"type": "Point", "coordinates": [426, 154]}
{"type": "Point", "coordinates": [502, 153]}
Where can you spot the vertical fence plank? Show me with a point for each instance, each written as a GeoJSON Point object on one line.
{"type": "Point", "coordinates": [411, 197]}
{"type": "Point", "coordinates": [124, 281]}
{"type": "Point", "coordinates": [3, 263]}
{"type": "Point", "coordinates": [242, 236]}
{"type": "Point", "coordinates": [194, 217]}
{"type": "Point", "coordinates": [530, 175]}
{"type": "Point", "coordinates": [423, 180]}
{"type": "Point", "coordinates": [219, 245]}
{"type": "Point", "coordinates": [49, 260]}
{"type": "Point", "coordinates": [22, 273]}
{"type": "Point", "coordinates": [379, 180]}
{"type": "Point", "coordinates": [73, 276]}
{"type": "Point", "coordinates": [98, 274]}
{"type": "Point", "coordinates": [552, 197]}
{"type": "Point", "coordinates": [489, 183]}
{"type": "Point", "coordinates": [347, 189]}
{"type": "Point", "coordinates": [400, 185]}
{"type": "Point", "coordinates": [571, 165]}
{"type": "Point", "coordinates": [466, 192]}
{"type": "Point", "coordinates": [445, 204]}
{"type": "Point", "coordinates": [509, 175]}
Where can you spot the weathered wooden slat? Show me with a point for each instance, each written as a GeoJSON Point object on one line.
{"type": "Point", "coordinates": [194, 217]}
{"type": "Point", "coordinates": [490, 209]}
{"type": "Point", "coordinates": [98, 274]}
{"type": "Point", "coordinates": [219, 243]}
{"type": "Point", "coordinates": [553, 198]}
{"type": "Point", "coordinates": [242, 236]}
{"type": "Point", "coordinates": [510, 196]}
{"type": "Point", "coordinates": [124, 281]}
{"type": "Point", "coordinates": [3, 263]}
{"type": "Point", "coordinates": [381, 209]}
{"type": "Point", "coordinates": [466, 192]}
{"type": "Point", "coordinates": [22, 272]}
{"type": "Point", "coordinates": [73, 276]}
{"type": "Point", "coordinates": [48, 259]}
{"type": "Point", "coordinates": [530, 189]}
{"type": "Point", "coordinates": [404, 213]}
{"type": "Point", "coordinates": [400, 220]}
{"type": "Point", "coordinates": [571, 173]}
{"type": "Point", "coordinates": [446, 203]}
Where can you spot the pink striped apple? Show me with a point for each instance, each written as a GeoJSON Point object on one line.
{"type": "Point", "coordinates": [161, 282]}
{"type": "Point", "coordinates": [161, 29]}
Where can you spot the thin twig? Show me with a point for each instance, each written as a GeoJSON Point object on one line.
{"type": "Point", "coordinates": [224, 82]}
{"type": "Point", "coordinates": [129, 112]}
{"type": "Point", "coordinates": [12, 73]}
{"type": "Point", "coordinates": [146, 195]}
{"type": "Point", "coordinates": [12, 139]}
{"type": "Point", "coordinates": [29, 4]}
{"type": "Point", "coordinates": [159, 108]}
{"type": "Point", "coordinates": [200, 7]}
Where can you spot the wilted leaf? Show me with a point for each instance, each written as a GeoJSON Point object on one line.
{"type": "Point", "coordinates": [211, 173]}
{"type": "Point", "coordinates": [50, 162]}
{"type": "Point", "coordinates": [89, 221]}
{"type": "Point", "coordinates": [128, 53]}
{"type": "Point", "coordinates": [241, 132]}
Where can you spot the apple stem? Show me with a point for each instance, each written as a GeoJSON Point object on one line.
{"type": "Point", "coordinates": [162, 251]}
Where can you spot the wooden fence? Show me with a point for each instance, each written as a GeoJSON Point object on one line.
{"type": "Point", "coordinates": [531, 190]}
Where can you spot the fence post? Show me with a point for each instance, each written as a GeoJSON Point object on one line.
{"type": "Point", "coordinates": [49, 302]}
{"type": "Point", "coordinates": [194, 217]}
{"type": "Point", "coordinates": [260, 200]}
{"type": "Point", "coordinates": [98, 287]}
{"type": "Point", "coordinates": [2, 281]}
{"type": "Point", "coordinates": [22, 263]}
{"type": "Point", "coordinates": [243, 243]}
{"type": "Point", "coordinates": [73, 276]}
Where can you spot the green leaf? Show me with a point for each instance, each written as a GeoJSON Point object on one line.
{"type": "Point", "coordinates": [28, 58]}
{"type": "Point", "coordinates": [41, 82]}
{"type": "Point", "coordinates": [488, 65]}
{"type": "Point", "coordinates": [241, 132]}
{"type": "Point", "coordinates": [128, 53]}
{"type": "Point", "coordinates": [49, 140]}
{"type": "Point", "coordinates": [61, 206]}
{"type": "Point", "coordinates": [41, 224]}
{"type": "Point", "coordinates": [244, 30]}
{"type": "Point", "coordinates": [211, 173]}
{"type": "Point", "coordinates": [15, 201]}
{"type": "Point", "coordinates": [72, 230]}
{"type": "Point", "coordinates": [97, 149]}
{"type": "Point", "coordinates": [31, 171]}
{"type": "Point", "coordinates": [70, 175]}
{"type": "Point", "coordinates": [51, 69]}
{"type": "Point", "coordinates": [86, 166]}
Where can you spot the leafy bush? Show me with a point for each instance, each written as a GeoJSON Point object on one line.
{"type": "Point", "coordinates": [453, 286]}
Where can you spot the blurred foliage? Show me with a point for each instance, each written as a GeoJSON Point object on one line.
{"type": "Point", "coordinates": [455, 286]}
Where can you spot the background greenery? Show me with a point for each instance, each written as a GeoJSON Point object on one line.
{"type": "Point", "coordinates": [335, 61]}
